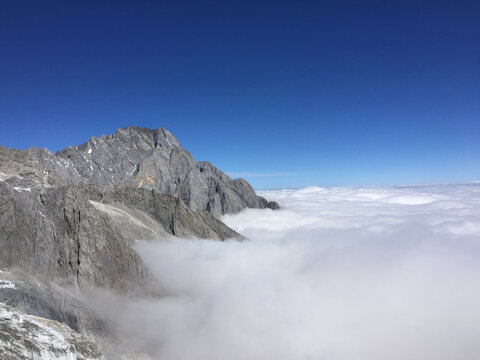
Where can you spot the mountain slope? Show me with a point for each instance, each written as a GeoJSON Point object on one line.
{"type": "Point", "coordinates": [27, 337]}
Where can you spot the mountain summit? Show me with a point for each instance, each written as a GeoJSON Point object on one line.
{"type": "Point", "coordinates": [68, 220]}
{"type": "Point", "coordinates": [138, 158]}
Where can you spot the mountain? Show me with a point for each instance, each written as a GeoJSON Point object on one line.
{"type": "Point", "coordinates": [136, 157]}
{"type": "Point", "coordinates": [68, 221]}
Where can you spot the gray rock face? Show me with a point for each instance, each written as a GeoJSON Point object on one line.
{"type": "Point", "coordinates": [57, 234]}
{"type": "Point", "coordinates": [139, 158]}
{"type": "Point", "coordinates": [154, 159]}
{"type": "Point", "coordinates": [174, 216]}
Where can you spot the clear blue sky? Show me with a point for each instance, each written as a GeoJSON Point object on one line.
{"type": "Point", "coordinates": [285, 93]}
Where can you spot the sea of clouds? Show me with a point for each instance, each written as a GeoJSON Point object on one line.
{"type": "Point", "coordinates": [337, 274]}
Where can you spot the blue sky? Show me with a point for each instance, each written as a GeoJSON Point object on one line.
{"type": "Point", "coordinates": [286, 94]}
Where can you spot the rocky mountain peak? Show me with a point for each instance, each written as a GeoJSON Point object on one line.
{"type": "Point", "coordinates": [139, 158]}
{"type": "Point", "coordinates": [68, 220]}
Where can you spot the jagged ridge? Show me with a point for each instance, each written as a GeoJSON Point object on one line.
{"type": "Point", "coordinates": [140, 158]}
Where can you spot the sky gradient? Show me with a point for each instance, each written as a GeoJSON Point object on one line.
{"type": "Point", "coordinates": [286, 94]}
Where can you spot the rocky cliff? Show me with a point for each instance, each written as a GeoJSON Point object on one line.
{"type": "Point", "coordinates": [68, 222]}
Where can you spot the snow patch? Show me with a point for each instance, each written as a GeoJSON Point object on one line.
{"type": "Point", "coordinates": [7, 284]}
{"type": "Point", "coordinates": [19, 188]}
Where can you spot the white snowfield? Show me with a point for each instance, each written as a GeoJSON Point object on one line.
{"type": "Point", "coordinates": [26, 337]}
{"type": "Point", "coordinates": [7, 284]}
{"type": "Point", "coordinates": [338, 273]}
{"type": "Point", "coordinates": [19, 188]}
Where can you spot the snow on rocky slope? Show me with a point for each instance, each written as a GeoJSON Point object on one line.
{"type": "Point", "coordinates": [27, 337]}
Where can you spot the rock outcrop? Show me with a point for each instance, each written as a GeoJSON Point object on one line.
{"type": "Point", "coordinates": [27, 337]}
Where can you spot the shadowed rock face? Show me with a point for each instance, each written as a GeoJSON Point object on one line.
{"type": "Point", "coordinates": [170, 212]}
{"type": "Point", "coordinates": [139, 158]}
{"type": "Point", "coordinates": [57, 234]}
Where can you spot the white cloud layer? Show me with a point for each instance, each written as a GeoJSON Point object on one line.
{"type": "Point", "coordinates": [337, 274]}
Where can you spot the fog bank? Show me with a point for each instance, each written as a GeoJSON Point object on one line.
{"type": "Point", "coordinates": [336, 274]}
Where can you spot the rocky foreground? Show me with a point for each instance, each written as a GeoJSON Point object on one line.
{"type": "Point", "coordinates": [67, 224]}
